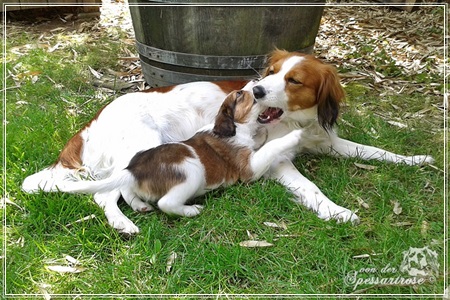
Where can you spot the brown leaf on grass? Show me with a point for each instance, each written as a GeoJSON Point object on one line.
{"type": "Point", "coordinates": [170, 261]}
{"type": "Point", "coordinates": [424, 228]}
{"type": "Point", "coordinates": [82, 220]}
{"type": "Point", "coordinates": [255, 244]}
{"type": "Point", "coordinates": [362, 203]}
{"type": "Point", "coordinates": [401, 224]}
{"type": "Point", "coordinates": [398, 124]}
{"type": "Point", "coordinates": [281, 225]}
{"type": "Point", "coordinates": [365, 255]}
{"type": "Point", "coordinates": [365, 167]}
{"type": "Point", "coordinates": [397, 207]}
{"type": "Point", "coordinates": [112, 83]}
{"type": "Point", "coordinates": [95, 73]}
{"type": "Point", "coordinates": [65, 269]}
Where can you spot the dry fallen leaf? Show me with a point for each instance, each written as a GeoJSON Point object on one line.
{"type": "Point", "coordinates": [281, 225]}
{"type": "Point", "coordinates": [424, 228]}
{"type": "Point", "coordinates": [95, 73]}
{"type": "Point", "coordinates": [365, 255]}
{"type": "Point", "coordinates": [398, 124]}
{"type": "Point", "coordinates": [255, 244]}
{"type": "Point", "coordinates": [365, 167]}
{"type": "Point", "coordinates": [81, 220]}
{"type": "Point", "coordinates": [401, 224]}
{"type": "Point", "coordinates": [65, 269]}
{"type": "Point", "coordinates": [362, 203]}
{"type": "Point", "coordinates": [397, 208]}
{"type": "Point", "coordinates": [251, 235]}
{"type": "Point", "coordinates": [170, 261]}
{"type": "Point", "coordinates": [72, 260]}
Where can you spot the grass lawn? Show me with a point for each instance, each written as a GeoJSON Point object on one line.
{"type": "Point", "coordinates": [400, 206]}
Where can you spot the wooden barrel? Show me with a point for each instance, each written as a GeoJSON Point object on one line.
{"type": "Point", "coordinates": [184, 43]}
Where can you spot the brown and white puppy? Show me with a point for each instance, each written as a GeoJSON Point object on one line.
{"type": "Point", "coordinates": [218, 155]}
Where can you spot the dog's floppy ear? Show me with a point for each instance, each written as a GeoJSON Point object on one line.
{"type": "Point", "coordinates": [329, 98]}
{"type": "Point", "coordinates": [224, 125]}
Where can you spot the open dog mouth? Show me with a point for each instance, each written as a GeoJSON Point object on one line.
{"type": "Point", "coordinates": [270, 115]}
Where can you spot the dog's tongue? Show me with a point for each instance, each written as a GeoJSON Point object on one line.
{"type": "Point", "coordinates": [269, 115]}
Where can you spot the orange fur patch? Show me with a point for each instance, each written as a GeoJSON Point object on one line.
{"type": "Point", "coordinates": [70, 156]}
{"type": "Point", "coordinates": [227, 86]}
{"type": "Point", "coordinates": [161, 89]}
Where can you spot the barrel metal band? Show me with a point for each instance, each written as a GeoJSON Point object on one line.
{"type": "Point", "coordinates": [161, 77]}
{"type": "Point", "coordinates": [201, 61]}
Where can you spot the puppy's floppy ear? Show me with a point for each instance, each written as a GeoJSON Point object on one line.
{"type": "Point", "coordinates": [329, 98]}
{"type": "Point", "coordinates": [224, 125]}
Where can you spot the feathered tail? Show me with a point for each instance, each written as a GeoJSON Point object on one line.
{"type": "Point", "coordinates": [58, 178]}
{"type": "Point", "coordinates": [47, 179]}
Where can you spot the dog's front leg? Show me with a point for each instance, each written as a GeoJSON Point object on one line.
{"type": "Point", "coordinates": [308, 194]}
{"type": "Point", "coordinates": [262, 159]}
{"type": "Point", "coordinates": [345, 148]}
{"type": "Point", "coordinates": [115, 217]}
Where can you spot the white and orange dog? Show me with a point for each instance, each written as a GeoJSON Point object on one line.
{"type": "Point", "coordinates": [171, 174]}
{"type": "Point", "coordinates": [302, 92]}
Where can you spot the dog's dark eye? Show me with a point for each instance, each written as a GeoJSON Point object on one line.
{"type": "Point", "coordinates": [238, 94]}
{"type": "Point", "coordinates": [271, 72]}
{"type": "Point", "coordinates": [293, 81]}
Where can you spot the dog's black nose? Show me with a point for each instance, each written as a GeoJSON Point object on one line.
{"type": "Point", "coordinates": [259, 92]}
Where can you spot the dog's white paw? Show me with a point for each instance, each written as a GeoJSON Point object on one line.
{"type": "Point", "coordinates": [418, 160]}
{"type": "Point", "coordinates": [192, 210]}
{"type": "Point", "coordinates": [123, 225]}
{"type": "Point", "coordinates": [297, 134]}
{"type": "Point", "coordinates": [325, 209]}
{"type": "Point", "coordinates": [293, 138]}
{"type": "Point", "coordinates": [140, 206]}
{"type": "Point", "coordinates": [338, 213]}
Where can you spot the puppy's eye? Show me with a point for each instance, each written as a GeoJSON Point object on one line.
{"type": "Point", "coordinates": [271, 72]}
{"type": "Point", "coordinates": [238, 94]}
{"type": "Point", "coordinates": [293, 81]}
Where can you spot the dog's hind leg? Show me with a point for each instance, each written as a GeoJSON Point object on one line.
{"type": "Point", "coordinates": [135, 142]}
{"type": "Point", "coordinates": [174, 201]}
{"type": "Point", "coordinates": [108, 202]}
{"type": "Point", "coordinates": [134, 201]}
